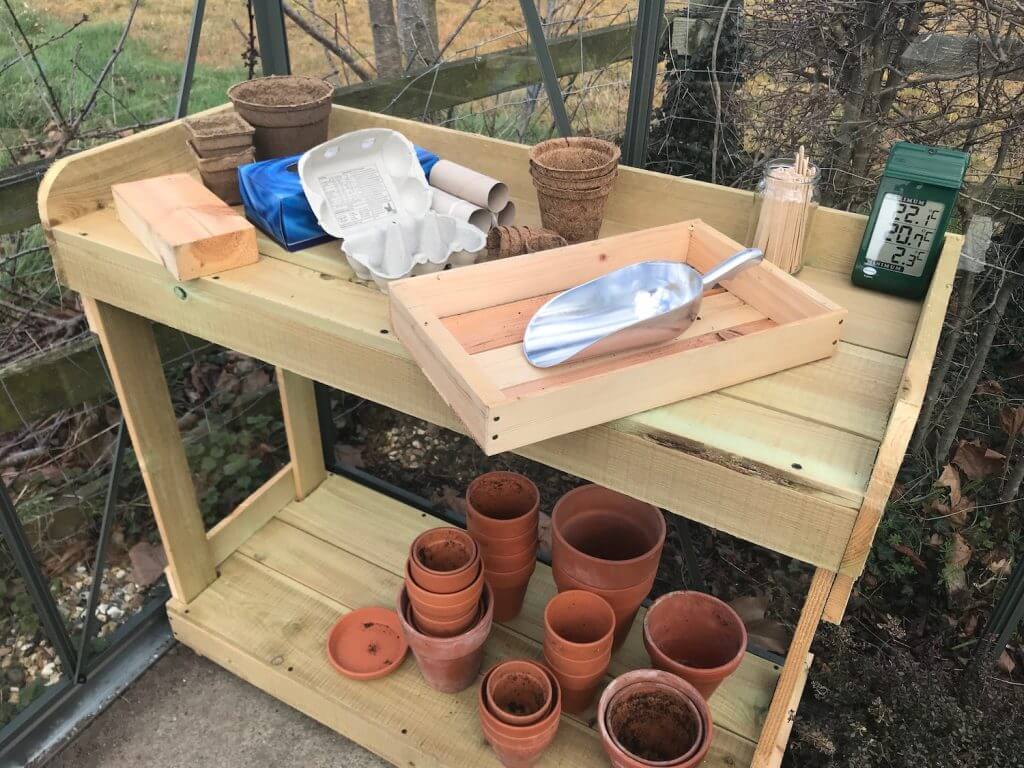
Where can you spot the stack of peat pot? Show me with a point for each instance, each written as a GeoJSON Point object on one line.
{"type": "Point", "coordinates": [220, 143]}
{"type": "Point", "coordinates": [573, 178]}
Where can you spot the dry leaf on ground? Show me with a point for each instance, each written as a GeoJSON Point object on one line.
{"type": "Point", "coordinates": [976, 461]}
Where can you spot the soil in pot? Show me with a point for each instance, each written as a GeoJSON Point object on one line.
{"type": "Point", "coordinates": [502, 505]}
{"type": "Point", "coordinates": [443, 560]}
{"type": "Point", "coordinates": [519, 692]}
{"type": "Point", "coordinates": [696, 636]}
{"type": "Point", "coordinates": [290, 113]}
{"type": "Point", "coordinates": [579, 625]}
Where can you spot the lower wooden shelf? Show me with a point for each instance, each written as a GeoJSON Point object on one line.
{"type": "Point", "coordinates": [344, 546]}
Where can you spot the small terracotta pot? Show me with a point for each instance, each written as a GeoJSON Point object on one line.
{"type": "Point", "coordinates": [509, 591]}
{"type": "Point", "coordinates": [502, 505]}
{"type": "Point", "coordinates": [575, 157]}
{"type": "Point", "coordinates": [443, 560]}
{"type": "Point", "coordinates": [579, 625]}
{"type": "Point", "coordinates": [449, 664]}
{"type": "Point", "coordinates": [290, 113]}
{"type": "Point", "coordinates": [444, 627]}
{"type": "Point", "coordinates": [519, 692]}
{"type": "Point", "coordinates": [652, 718]}
{"type": "Point", "coordinates": [509, 563]}
{"type": "Point", "coordinates": [577, 667]}
{"type": "Point", "coordinates": [490, 545]}
{"type": "Point", "coordinates": [606, 539]}
{"type": "Point", "coordinates": [695, 636]}
{"type": "Point", "coordinates": [578, 691]}
{"type": "Point", "coordinates": [520, 746]}
{"type": "Point", "coordinates": [624, 602]}
{"type": "Point", "coordinates": [445, 607]}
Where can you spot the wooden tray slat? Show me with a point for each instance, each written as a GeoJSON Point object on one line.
{"type": "Point", "coordinates": [465, 329]}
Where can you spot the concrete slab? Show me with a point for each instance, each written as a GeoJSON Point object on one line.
{"type": "Point", "coordinates": [186, 712]}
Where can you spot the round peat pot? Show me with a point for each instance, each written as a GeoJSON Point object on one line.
{"type": "Point", "coordinates": [519, 692]}
{"type": "Point", "coordinates": [624, 602]}
{"type": "Point", "coordinates": [579, 625]}
{"type": "Point", "coordinates": [444, 627]}
{"type": "Point", "coordinates": [652, 718]}
{"type": "Point", "coordinates": [290, 113]}
{"type": "Point", "coordinates": [520, 746]}
{"type": "Point", "coordinates": [695, 636]}
{"type": "Point", "coordinates": [367, 643]}
{"type": "Point", "coordinates": [509, 563]}
{"type": "Point", "coordinates": [502, 505]}
{"type": "Point", "coordinates": [606, 539]}
{"type": "Point", "coordinates": [509, 591]}
{"type": "Point", "coordinates": [443, 560]}
{"type": "Point", "coordinates": [578, 691]}
{"type": "Point", "coordinates": [448, 606]}
{"type": "Point", "coordinates": [490, 545]}
{"type": "Point", "coordinates": [574, 158]}
{"type": "Point", "coordinates": [546, 184]}
{"type": "Point", "coordinates": [449, 664]}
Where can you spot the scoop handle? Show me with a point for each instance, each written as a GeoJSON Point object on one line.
{"type": "Point", "coordinates": [735, 263]}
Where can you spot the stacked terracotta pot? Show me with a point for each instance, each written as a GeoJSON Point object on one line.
{"type": "Point", "coordinates": [220, 143]}
{"type": "Point", "coordinates": [573, 177]}
{"type": "Point", "coordinates": [578, 631]}
{"type": "Point", "coordinates": [652, 718]}
{"type": "Point", "coordinates": [502, 517]}
{"type": "Point", "coordinates": [695, 636]}
{"type": "Point", "coordinates": [446, 607]}
{"type": "Point", "coordinates": [610, 544]}
{"type": "Point", "coordinates": [520, 705]}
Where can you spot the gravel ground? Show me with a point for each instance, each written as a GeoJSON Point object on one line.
{"type": "Point", "coordinates": [186, 712]}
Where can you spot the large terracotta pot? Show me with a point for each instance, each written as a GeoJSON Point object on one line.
{"type": "Point", "coordinates": [606, 539]}
{"type": "Point", "coordinates": [509, 590]}
{"type": "Point", "coordinates": [502, 505]}
{"type": "Point", "coordinates": [444, 560]}
{"type": "Point", "coordinates": [695, 636]}
{"type": "Point", "coordinates": [520, 746]}
{"type": "Point", "coordinates": [624, 602]}
{"type": "Point", "coordinates": [444, 607]}
{"type": "Point", "coordinates": [653, 718]}
{"type": "Point", "coordinates": [448, 664]}
{"type": "Point", "coordinates": [579, 625]}
{"type": "Point", "coordinates": [519, 692]}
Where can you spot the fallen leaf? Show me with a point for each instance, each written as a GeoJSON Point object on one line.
{"type": "Point", "coordinates": [148, 562]}
{"type": "Point", "coordinates": [999, 566]}
{"type": "Point", "coordinates": [970, 625]}
{"type": "Point", "coordinates": [959, 553]}
{"type": "Point", "coordinates": [1006, 664]}
{"type": "Point", "coordinates": [768, 634]}
{"type": "Point", "coordinates": [976, 461]}
{"type": "Point", "coordinates": [950, 479]}
{"type": "Point", "coordinates": [750, 608]}
{"type": "Point", "coordinates": [989, 387]}
{"type": "Point", "coordinates": [1011, 418]}
{"type": "Point", "coordinates": [454, 500]}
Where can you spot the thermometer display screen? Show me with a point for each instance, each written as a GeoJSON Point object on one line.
{"type": "Point", "coordinates": [903, 234]}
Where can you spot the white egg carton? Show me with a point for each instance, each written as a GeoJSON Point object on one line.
{"type": "Point", "coordinates": [368, 188]}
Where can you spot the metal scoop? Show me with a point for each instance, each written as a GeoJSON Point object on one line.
{"type": "Point", "coordinates": [637, 306]}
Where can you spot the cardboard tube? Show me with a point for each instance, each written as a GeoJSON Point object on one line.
{"type": "Point", "coordinates": [463, 210]}
{"type": "Point", "coordinates": [466, 183]}
{"type": "Point", "coordinates": [506, 217]}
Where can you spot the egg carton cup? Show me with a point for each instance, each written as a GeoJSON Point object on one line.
{"type": "Point", "coordinates": [412, 246]}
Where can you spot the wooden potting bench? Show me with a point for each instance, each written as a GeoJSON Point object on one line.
{"type": "Point", "coordinates": [800, 462]}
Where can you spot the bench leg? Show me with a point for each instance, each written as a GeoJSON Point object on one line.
{"type": "Point", "coordinates": [298, 404]}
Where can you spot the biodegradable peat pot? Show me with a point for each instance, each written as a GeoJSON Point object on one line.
{"type": "Point", "coordinates": [520, 746]}
{"type": "Point", "coordinates": [582, 185]}
{"type": "Point", "coordinates": [519, 692]}
{"type": "Point", "coordinates": [290, 113]}
{"type": "Point", "coordinates": [443, 607]}
{"type": "Point", "coordinates": [444, 560]}
{"type": "Point", "coordinates": [579, 625]}
{"type": "Point", "coordinates": [449, 664]}
{"type": "Point", "coordinates": [695, 636]}
{"type": "Point", "coordinates": [578, 691]}
{"type": "Point", "coordinates": [574, 157]}
{"type": "Point", "coordinates": [502, 505]}
{"type": "Point", "coordinates": [576, 215]}
{"type": "Point", "coordinates": [624, 602]}
{"type": "Point", "coordinates": [606, 539]}
{"type": "Point", "coordinates": [509, 590]}
{"type": "Point", "coordinates": [652, 718]}
{"type": "Point", "coordinates": [221, 132]}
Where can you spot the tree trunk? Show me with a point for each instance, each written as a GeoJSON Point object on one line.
{"type": "Point", "coordinates": [1013, 482]}
{"type": "Point", "coordinates": [386, 47]}
{"type": "Point", "coordinates": [414, 31]}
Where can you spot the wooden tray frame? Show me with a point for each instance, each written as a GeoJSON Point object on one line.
{"type": "Point", "coordinates": [464, 327]}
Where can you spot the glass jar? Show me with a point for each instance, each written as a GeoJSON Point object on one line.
{"type": "Point", "coordinates": [784, 204]}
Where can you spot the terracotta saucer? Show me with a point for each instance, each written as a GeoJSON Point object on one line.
{"type": "Point", "coordinates": [367, 643]}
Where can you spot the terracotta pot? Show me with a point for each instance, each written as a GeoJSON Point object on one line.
{"type": "Point", "coordinates": [509, 591]}
{"type": "Point", "coordinates": [519, 692]}
{"type": "Point", "coordinates": [624, 602]}
{"type": "Point", "coordinates": [449, 664]}
{"type": "Point", "coordinates": [695, 636]}
{"type": "Point", "coordinates": [502, 505]}
{"type": "Point", "coordinates": [444, 560]}
{"type": "Point", "coordinates": [576, 157]}
{"type": "Point", "coordinates": [520, 746]}
{"type": "Point", "coordinates": [449, 606]}
{"type": "Point", "coordinates": [290, 113]}
{"type": "Point", "coordinates": [606, 539]}
{"type": "Point", "coordinates": [444, 627]}
{"type": "Point", "coordinates": [652, 718]}
{"type": "Point", "coordinates": [578, 691]}
{"type": "Point", "coordinates": [489, 545]}
{"type": "Point", "coordinates": [577, 667]}
{"type": "Point", "coordinates": [579, 625]}
{"type": "Point", "coordinates": [509, 563]}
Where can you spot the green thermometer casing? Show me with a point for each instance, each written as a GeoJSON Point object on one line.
{"type": "Point", "coordinates": [908, 220]}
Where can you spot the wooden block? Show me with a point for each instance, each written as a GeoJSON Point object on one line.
{"type": "Point", "coordinates": [185, 225]}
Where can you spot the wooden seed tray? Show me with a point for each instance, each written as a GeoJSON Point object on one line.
{"type": "Point", "coordinates": [465, 329]}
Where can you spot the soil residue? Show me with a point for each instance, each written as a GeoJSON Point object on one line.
{"type": "Point", "coordinates": [655, 726]}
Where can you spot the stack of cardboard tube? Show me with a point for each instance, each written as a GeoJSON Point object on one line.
{"type": "Point", "coordinates": [470, 196]}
